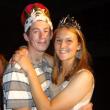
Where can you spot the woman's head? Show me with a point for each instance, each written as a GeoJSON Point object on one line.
{"type": "Point", "coordinates": [66, 43]}
{"type": "Point", "coordinates": [70, 45]}
{"type": "Point", "coordinates": [69, 29]}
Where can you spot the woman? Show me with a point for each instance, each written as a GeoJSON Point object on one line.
{"type": "Point", "coordinates": [73, 81]}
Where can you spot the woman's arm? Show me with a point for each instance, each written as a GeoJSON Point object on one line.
{"type": "Point", "coordinates": [69, 97]}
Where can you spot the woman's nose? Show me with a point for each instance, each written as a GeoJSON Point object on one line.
{"type": "Point", "coordinates": [63, 44]}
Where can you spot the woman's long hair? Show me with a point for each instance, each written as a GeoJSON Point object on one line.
{"type": "Point", "coordinates": [81, 61]}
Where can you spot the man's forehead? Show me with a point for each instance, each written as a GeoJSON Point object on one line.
{"type": "Point", "coordinates": [40, 24]}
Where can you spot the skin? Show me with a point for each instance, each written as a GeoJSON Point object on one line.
{"type": "Point", "coordinates": [38, 41]}
{"type": "Point", "coordinates": [39, 36]}
{"type": "Point", "coordinates": [66, 48]}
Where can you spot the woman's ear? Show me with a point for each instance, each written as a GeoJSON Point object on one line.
{"type": "Point", "coordinates": [26, 38]}
{"type": "Point", "coordinates": [79, 47]}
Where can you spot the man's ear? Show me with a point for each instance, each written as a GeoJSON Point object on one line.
{"type": "Point", "coordinates": [26, 38]}
{"type": "Point", "coordinates": [51, 35]}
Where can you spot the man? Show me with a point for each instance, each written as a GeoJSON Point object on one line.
{"type": "Point", "coordinates": [38, 32]}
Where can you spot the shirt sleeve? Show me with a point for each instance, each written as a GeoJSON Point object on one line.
{"type": "Point", "coordinates": [17, 93]}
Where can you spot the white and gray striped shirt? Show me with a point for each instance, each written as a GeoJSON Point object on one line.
{"type": "Point", "coordinates": [16, 88]}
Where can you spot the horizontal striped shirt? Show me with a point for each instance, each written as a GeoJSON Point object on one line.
{"type": "Point", "coordinates": [16, 88]}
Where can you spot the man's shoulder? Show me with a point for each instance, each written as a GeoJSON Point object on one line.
{"type": "Point", "coordinates": [12, 73]}
{"type": "Point", "coordinates": [11, 68]}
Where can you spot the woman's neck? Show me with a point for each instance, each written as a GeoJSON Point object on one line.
{"type": "Point", "coordinates": [67, 64]}
{"type": "Point", "coordinates": [65, 69]}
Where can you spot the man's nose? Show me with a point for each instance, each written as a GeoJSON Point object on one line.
{"type": "Point", "coordinates": [42, 35]}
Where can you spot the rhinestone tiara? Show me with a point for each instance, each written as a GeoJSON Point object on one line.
{"type": "Point", "coordinates": [69, 21]}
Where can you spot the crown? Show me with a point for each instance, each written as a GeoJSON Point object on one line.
{"type": "Point", "coordinates": [69, 21]}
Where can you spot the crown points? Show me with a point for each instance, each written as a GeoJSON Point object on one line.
{"type": "Point", "coordinates": [69, 21]}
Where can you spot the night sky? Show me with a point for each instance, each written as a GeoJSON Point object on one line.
{"type": "Point", "coordinates": [93, 16]}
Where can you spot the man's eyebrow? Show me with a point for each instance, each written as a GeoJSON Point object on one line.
{"type": "Point", "coordinates": [38, 28]}
{"type": "Point", "coordinates": [35, 28]}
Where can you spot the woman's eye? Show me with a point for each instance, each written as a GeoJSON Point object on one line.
{"type": "Point", "coordinates": [69, 40]}
{"type": "Point", "coordinates": [46, 31]}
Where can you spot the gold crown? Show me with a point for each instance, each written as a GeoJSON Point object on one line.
{"type": "Point", "coordinates": [69, 21]}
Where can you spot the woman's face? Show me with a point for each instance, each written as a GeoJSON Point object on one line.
{"type": "Point", "coordinates": [66, 44]}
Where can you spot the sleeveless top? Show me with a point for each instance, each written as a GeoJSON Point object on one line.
{"type": "Point", "coordinates": [55, 89]}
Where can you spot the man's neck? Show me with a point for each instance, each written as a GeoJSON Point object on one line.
{"type": "Point", "coordinates": [35, 56]}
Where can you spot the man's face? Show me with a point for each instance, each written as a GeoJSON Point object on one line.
{"type": "Point", "coordinates": [39, 36]}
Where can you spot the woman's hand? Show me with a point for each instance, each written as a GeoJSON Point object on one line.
{"type": "Point", "coordinates": [87, 107]}
{"type": "Point", "coordinates": [22, 58]}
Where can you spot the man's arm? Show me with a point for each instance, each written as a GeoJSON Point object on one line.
{"type": "Point", "coordinates": [16, 89]}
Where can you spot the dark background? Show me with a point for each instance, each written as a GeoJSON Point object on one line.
{"type": "Point", "coordinates": [93, 15]}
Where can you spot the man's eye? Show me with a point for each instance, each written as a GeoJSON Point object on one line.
{"type": "Point", "coordinates": [58, 40]}
{"type": "Point", "coordinates": [35, 31]}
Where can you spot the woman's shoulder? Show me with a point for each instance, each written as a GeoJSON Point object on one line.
{"type": "Point", "coordinates": [85, 72]}
{"type": "Point", "coordinates": [49, 58]}
{"type": "Point", "coordinates": [83, 75]}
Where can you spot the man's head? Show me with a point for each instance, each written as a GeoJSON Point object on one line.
{"type": "Point", "coordinates": [37, 26]}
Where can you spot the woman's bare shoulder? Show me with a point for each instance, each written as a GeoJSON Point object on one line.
{"type": "Point", "coordinates": [83, 78]}
{"type": "Point", "coordinates": [86, 73]}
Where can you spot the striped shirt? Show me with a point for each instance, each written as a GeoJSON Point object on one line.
{"type": "Point", "coordinates": [16, 88]}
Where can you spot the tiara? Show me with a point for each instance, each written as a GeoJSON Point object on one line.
{"type": "Point", "coordinates": [69, 21]}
